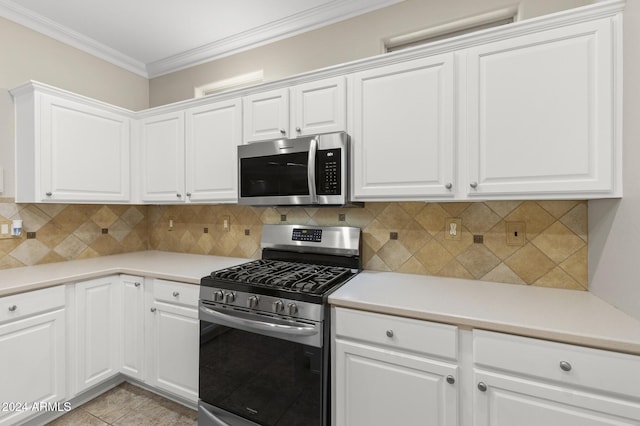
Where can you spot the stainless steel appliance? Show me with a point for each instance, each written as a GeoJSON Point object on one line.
{"type": "Point", "coordinates": [264, 329]}
{"type": "Point", "coordinates": [309, 170]}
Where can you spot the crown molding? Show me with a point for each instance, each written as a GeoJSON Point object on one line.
{"type": "Point", "coordinates": [36, 22]}
{"type": "Point", "coordinates": [329, 13]}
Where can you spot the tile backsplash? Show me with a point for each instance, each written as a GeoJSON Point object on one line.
{"type": "Point", "coordinates": [403, 237]}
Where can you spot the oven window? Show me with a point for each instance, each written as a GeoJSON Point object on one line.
{"type": "Point", "coordinates": [266, 380]}
{"type": "Point", "coordinates": [274, 175]}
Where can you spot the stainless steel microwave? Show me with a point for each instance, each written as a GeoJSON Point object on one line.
{"type": "Point", "coordinates": [310, 170]}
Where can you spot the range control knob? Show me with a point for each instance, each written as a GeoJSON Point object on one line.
{"type": "Point", "coordinates": [218, 295]}
{"type": "Point", "coordinates": [278, 306]}
{"type": "Point", "coordinates": [229, 297]}
{"type": "Point", "coordinates": [292, 308]}
{"type": "Point", "coordinates": [252, 302]}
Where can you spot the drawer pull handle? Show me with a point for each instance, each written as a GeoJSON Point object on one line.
{"type": "Point", "coordinates": [153, 309]}
{"type": "Point", "coordinates": [565, 366]}
{"type": "Point", "coordinates": [389, 333]}
{"type": "Point", "coordinates": [12, 308]}
{"type": "Point", "coordinates": [176, 294]}
{"type": "Point", "coordinates": [450, 379]}
{"type": "Point", "coordinates": [482, 386]}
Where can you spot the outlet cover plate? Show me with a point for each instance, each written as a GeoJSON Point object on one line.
{"type": "Point", "coordinates": [516, 233]}
{"type": "Point", "coordinates": [5, 229]}
{"type": "Point", "coordinates": [453, 228]}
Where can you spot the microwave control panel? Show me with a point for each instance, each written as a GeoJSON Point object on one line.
{"type": "Point", "coordinates": [329, 175]}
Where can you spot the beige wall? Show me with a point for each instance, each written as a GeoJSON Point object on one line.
{"type": "Point", "coordinates": [346, 41]}
{"type": "Point", "coordinates": [614, 225]}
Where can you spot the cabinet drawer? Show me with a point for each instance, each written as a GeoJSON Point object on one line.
{"type": "Point", "coordinates": [31, 302]}
{"type": "Point", "coordinates": [397, 332]}
{"type": "Point", "coordinates": [174, 292]}
{"type": "Point", "coordinates": [592, 368]}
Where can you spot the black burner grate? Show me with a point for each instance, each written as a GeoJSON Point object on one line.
{"type": "Point", "coordinates": [291, 276]}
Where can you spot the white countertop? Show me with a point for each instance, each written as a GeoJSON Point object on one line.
{"type": "Point", "coordinates": [568, 316]}
{"type": "Point", "coordinates": [563, 315]}
{"type": "Point", "coordinates": [186, 268]}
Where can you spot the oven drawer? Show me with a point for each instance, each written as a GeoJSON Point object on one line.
{"type": "Point", "coordinates": [425, 337]}
{"type": "Point", "coordinates": [175, 292]}
{"type": "Point", "coordinates": [592, 368]}
{"type": "Point", "coordinates": [31, 303]}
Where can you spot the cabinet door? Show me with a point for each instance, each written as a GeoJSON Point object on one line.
{"type": "Point", "coordinates": [213, 133]}
{"type": "Point", "coordinates": [540, 111]}
{"type": "Point", "coordinates": [174, 334]}
{"type": "Point", "coordinates": [132, 326]}
{"type": "Point", "coordinates": [85, 152]}
{"type": "Point", "coordinates": [319, 107]}
{"type": "Point", "coordinates": [33, 363]}
{"type": "Point", "coordinates": [376, 386]}
{"type": "Point", "coordinates": [266, 115]}
{"type": "Point", "coordinates": [162, 158]}
{"type": "Point", "coordinates": [403, 131]}
{"type": "Point", "coordinates": [510, 400]}
{"type": "Point", "coordinates": [98, 319]}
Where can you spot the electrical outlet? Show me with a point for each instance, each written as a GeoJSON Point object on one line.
{"type": "Point", "coordinates": [226, 223]}
{"type": "Point", "coordinates": [516, 234]}
{"type": "Point", "coordinates": [453, 228]}
{"type": "Point", "coordinates": [5, 229]}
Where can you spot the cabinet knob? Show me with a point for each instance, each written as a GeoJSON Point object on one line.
{"type": "Point", "coordinates": [153, 309]}
{"type": "Point", "coordinates": [283, 131]}
{"type": "Point", "coordinates": [179, 195]}
{"type": "Point", "coordinates": [12, 308]}
{"type": "Point", "coordinates": [474, 185]}
{"type": "Point", "coordinates": [298, 129]}
{"type": "Point", "coordinates": [450, 379]}
{"type": "Point", "coordinates": [389, 333]}
{"type": "Point", "coordinates": [176, 294]}
{"type": "Point", "coordinates": [136, 284]}
{"type": "Point", "coordinates": [48, 194]}
{"type": "Point", "coordinates": [449, 185]}
{"type": "Point", "coordinates": [482, 386]}
{"type": "Point", "coordinates": [188, 194]}
{"type": "Point", "coordinates": [565, 366]}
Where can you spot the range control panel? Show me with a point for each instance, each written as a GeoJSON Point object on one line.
{"type": "Point", "coordinates": [311, 235]}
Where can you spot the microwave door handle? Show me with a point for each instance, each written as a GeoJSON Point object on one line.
{"type": "Point", "coordinates": [311, 170]}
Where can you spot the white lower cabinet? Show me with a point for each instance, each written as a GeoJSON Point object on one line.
{"type": "Point", "coordinates": [391, 370]}
{"type": "Point", "coordinates": [173, 334]}
{"type": "Point", "coordinates": [32, 352]}
{"type": "Point", "coordinates": [132, 326]}
{"type": "Point", "coordinates": [526, 382]}
{"type": "Point", "coordinates": [98, 330]}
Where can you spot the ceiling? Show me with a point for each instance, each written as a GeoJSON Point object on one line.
{"type": "Point", "coordinates": [156, 37]}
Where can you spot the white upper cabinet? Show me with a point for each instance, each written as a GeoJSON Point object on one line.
{"type": "Point", "coordinates": [541, 113]}
{"type": "Point", "coordinates": [304, 109]}
{"type": "Point", "coordinates": [162, 157]}
{"type": "Point", "coordinates": [319, 107]}
{"type": "Point", "coordinates": [402, 137]}
{"type": "Point", "coordinates": [70, 148]}
{"type": "Point", "coordinates": [266, 115]}
{"type": "Point", "coordinates": [213, 133]}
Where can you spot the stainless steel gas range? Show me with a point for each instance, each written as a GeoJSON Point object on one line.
{"type": "Point", "coordinates": [264, 329]}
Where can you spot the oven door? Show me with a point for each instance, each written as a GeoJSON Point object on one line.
{"type": "Point", "coordinates": [256, 369]}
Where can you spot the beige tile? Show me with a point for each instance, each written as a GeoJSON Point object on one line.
{"type": "Point", "coordinates": [432, 218]}
{"type": "Point", "coordinates": [496, 240]}
{"type": "Point", "coordinates": [557, 208]}
{"type": "Point", "coordinates": [478, 260]}
{"type": "Point", "coordinates": [558, 242]}
{"type": "Point", "coordinates": [394, 254]}
{"type": "Point", "coordinates": [455, 209]}
{"type": "Point", "coordinates": [503, 208]}
{"type": "Point", "coordinates": [104, 217]}
{"type": "Point", "coordinates": [413, 266]}
{"type": "Point", "coordinates": [113, 405]}
{"type": "Point", "coordinates": [576, 266]}
{"type": "Point", "coordinates": [413, 208]}
{"type": "Point", "coordinates": [376, 264]}
{"type": "Point", "coordinates": [557, 278]}
{"type": "Point", "coordinates": [30, 252]}
{"type": "Point", "coordinates": [535, 217]}
{"type": "Point", "coordinates": [78, 417]}
{"type": "Point", "coordinates": [71, 247]}
{"type": "Point", "coordinates": [529, 263]}
{"type": "Point", "coordinates": [454, 269]}
{"type": "Point", "coordinates": [433, 256]}
{"type": "Point", "coordinates": [394, 217]}
{"type": "Point", "coordinates": [502, 274]}
{"type": "Point", "coordinates": [134, 215]}
{"type": "Point", "coordinates": [376, 235]}
{"type": "Point", "coordinates": [478, 218]}
{"type": "Point", "coordinates": [576, 220]}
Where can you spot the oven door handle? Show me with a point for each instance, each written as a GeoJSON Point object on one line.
{"type": "Point", "coordinates": [293, 330]}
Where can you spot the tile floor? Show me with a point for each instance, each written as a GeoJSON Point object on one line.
{"type": "Point", "coordinates": [127, 404]}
